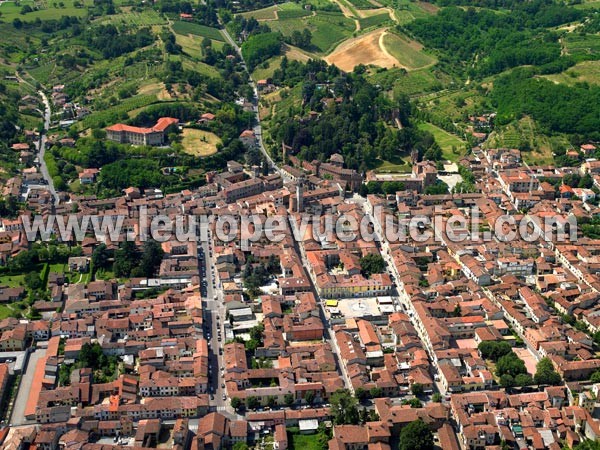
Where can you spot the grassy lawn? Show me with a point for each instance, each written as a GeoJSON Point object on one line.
{"type": "Point", "coordinates": [408, 52]}
{"type": "Point", "coordinates": [45, 10]}
{"type": "Point", "coordinates": [12, 280]}
{"type": "Point", "coordinates": [103, 274]}
{"type": "Point", "coordinates": [5, 312]}
{"type": "Point", "coordinates": [58, 268]}
{"type": "Point", "coordinates": [180, 27]}
{"type": "Point", "coordinates": [199, 142]}
{"type": "Point", "coordinates": [299, 441]}
{"type": "Point", "coordinates": [587, 71]}
{"type": "Point", "coordinates": [446, 141]}
{"type": "Point", "coordinates": [399, 165]}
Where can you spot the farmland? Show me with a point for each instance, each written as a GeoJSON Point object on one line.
{"type": "Point", "coordinates": [409, 53]}
{"type": "Point", "coordinates": [12, 10]}
{"type": "Point", "coordinates": [365, 49]}
{"type": "Point", "coordinates": [374, 21]}
{"type": "Point", "coordinates": [328, 28]}
{"type": "Point", "coordinates": [584, 72]}
{"type": "Point", "coordinates": [583, 45]}
{"type": "Point", "coordinates": [180, 27]}
{"type": "Point", "coordinates": [143, 18]}
{"type": "Point", "coordinates": [109, 115]}
{"type": "Point", "coordinates": [525, 132]}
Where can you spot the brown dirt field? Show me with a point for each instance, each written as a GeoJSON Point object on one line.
{"type": "Point", "coordinates": [366, 49]}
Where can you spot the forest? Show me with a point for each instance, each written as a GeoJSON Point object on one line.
{"type": "Point", "coordinates": [574, 110]}
{"type": "Point", "coordinates": [483, 42]}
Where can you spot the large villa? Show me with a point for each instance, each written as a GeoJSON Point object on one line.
{"type": "Point", "coordinates": [127, 134]}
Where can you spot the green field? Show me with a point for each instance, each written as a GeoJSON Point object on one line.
{"type": "Point", "coordinates": [292, 13]}
{"type": "Point", "coordinates": [594, 4]}
{"type": "Point", "coordinates": [362, 4]}
{"type": "Point", "coordinates": [446, 141]}
{"type": "Point", "coordinates": [328, 29]}
{"type": "Point", "coordinates": [180, 27]}
{"type": "Point", "coordinates": [265, 70]}
{"type": "Point", "coordinates": [583, 72]}
{"type": "Point", "coordinates": [374, 21]}
{"type": "Point", "coordinates": [147, 17]}
{"type": "Point", "coordinates": [262, 14]}
{"type": "Point", "coordinates": [408, 53]}
{"type": "Point", "coordinates": [410, 83]}
{"type": "Point", "coordinates": [107, 116]}
{"type": "Point", "coordinates": [11, 11]}
{"type": "Point", "coordinates": [576, 44]}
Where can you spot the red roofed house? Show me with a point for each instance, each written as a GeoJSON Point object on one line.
{"type": "Point", "coordinates": [127, 134]}
{"type": "Point", "coordinates": [248, 138]}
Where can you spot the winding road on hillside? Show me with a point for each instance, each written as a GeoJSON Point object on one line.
{"type": "Point", "coordinates": [257, 127]}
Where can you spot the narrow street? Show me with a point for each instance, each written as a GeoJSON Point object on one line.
{"type": "Point", "coordinates": [257, 128]}
{"type": "Point", "coordinates": [42, 147]}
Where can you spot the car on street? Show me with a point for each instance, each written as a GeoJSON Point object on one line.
{"type": "Point", "coordinates": [224, 397]}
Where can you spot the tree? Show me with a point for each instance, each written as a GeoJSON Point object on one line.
{"type": "Point", "coordinates": [510, 364]}
{"type": "Point", "coordinates": [236, 403]}
{"type": "Point", "coordinates": [309, 397]}
{"type": "Point", "coordinates": [416, 436]}
{"type": "Point", "coordinates": [344, 408]}
{"type": "Point", "coordinates": [545, 373]}
{"type": "Point", "coordinates": [372, 263]}
{"type": "Point", "coordinates": [523, 379]}
{"type": "Point", "coordinates": [288, 399]}
{"type": "Point", "coordinates": [494, 350]}
{"type": "Point", "coordinates": [376, 392]}
{"type": "Point", "coordinates": [33, 281]}
{"type": "Point", "coordinates": [507, 381]}
{"type": "Point", "coordinates": [417, 389]}
{"type": "Point", "coordinates": [240, 446]}
{"type": "Point", "coordinates": [436, 398]}
{"type": "Point", "coordinates": [252, 402]}
{"type": "Point", "coordinates": [152, 256]}
{"type": "Point", "coordinates": [413, 402]}
{"type": "Point", "coordinates": [100, 257]}
{"type": "Point", "coordinates": [361, 394]}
